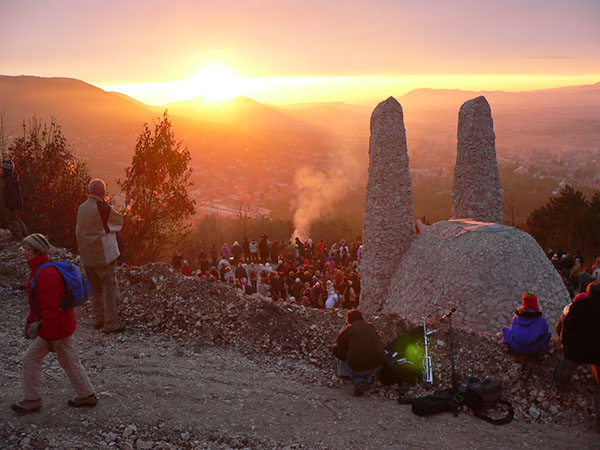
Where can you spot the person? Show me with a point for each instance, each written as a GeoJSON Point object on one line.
{"type": "Point", "coordinates": [565, 313]}
{"type": "Point", "coordinates": [253, 248]}
{"type": "Point", "coordinates": [580, 340]}
{"type": "Point", "coordinates": [225, 252]}
{"type": "Point", "coordinates": [97, 223]}
{"type": "Point", "coordinates": [236, 251]}
{"type": "Point", "coordinates": [186, 269]}
{"type": "Point", "coordinates": [332, 297]}
{"type": "Point", "coordinates": [528, 332]}
{"type": "Point", "coordinates": [177, 258]}
{"type": "Point", "coordinates": [214, 254]}
{"type": "Point", "coordinates": [55, 331]}
{"type": "Point", "coordinates": [12, 201]}
{"type": "Point", "coordinates": [359, 348]}
{"type": "Point", "coordinates": [263, 248]}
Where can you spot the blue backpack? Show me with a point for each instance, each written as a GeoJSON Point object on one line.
{"type": "Point", "coordinates": [77, 286]}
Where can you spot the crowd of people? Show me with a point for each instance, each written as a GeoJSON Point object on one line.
{"type": "Point", "coordinates": [316, 275]}
{"type": "Point", "coordinates": [571, 269]}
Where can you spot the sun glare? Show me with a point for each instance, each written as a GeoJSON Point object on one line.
{"type": "Point", "coordinates": [216, 83]}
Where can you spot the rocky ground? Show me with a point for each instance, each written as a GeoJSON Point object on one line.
{"type": "Point", "coordinates": [204, 366]}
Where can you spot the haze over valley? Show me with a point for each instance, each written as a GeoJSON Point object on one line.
{"type": "Point", "coordinates": [265, 154]}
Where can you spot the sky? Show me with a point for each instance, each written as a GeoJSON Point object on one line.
{"type": "Point", "coordinates": [293, 51]}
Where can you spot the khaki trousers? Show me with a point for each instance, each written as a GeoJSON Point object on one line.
{"type": "Point", "coordinates": [104, 295]}
{"type": "Point", "coordinates": [66, 353]}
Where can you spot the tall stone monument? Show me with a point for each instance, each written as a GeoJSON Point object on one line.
{"type": "Point", "coordinates": [389, 224]}
{"type": "Point", "coordinates": [477, 193]}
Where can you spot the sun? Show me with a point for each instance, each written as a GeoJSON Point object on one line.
{"type": "Point", "coordinates": [216, 83]}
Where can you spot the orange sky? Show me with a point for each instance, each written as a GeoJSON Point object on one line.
{"type": "Point", "coordinates": [290, 51]}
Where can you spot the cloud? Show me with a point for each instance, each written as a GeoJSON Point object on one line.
{"type": "Point", "coordinates": [549, 57]}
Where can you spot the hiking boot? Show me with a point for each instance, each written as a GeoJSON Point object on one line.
{"type": "Point", "coordinates": [90, 401]}
{"type": "Point", "coordinates": [361, 388]}
{"type": "Point", "coordinates": [27, 406]}
{"type": "Point", "coordinates": [119, 329]}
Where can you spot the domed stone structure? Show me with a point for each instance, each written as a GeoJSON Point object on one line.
{"type": "Point", "coordinates": [482, 269]}
{"type": "Point", "coordinates": [473, 264]}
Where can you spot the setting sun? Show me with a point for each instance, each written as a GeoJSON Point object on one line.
{"type": "Point", "coordinates": [216, 82]}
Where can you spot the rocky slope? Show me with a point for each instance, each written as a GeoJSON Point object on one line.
{"type": "Point", "coordinates": [204, 366]}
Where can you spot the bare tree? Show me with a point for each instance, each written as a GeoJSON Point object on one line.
{"type": "Point", "coordinates": [244, 213]}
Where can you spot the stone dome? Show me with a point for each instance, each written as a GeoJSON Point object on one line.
{"type": "Point", "coordinates": [482, 269]}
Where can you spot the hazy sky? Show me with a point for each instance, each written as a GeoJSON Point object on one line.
{"type": "Point", "coordinates": [397, 44]}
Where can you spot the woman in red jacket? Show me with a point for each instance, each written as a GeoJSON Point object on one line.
{"type": "Point", "coordinates": [55, 332]}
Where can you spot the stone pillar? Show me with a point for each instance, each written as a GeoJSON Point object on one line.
{"type": "Point", "coordinates": [389, 213]}
{"type": "Point", "coordinates": [477, 193]}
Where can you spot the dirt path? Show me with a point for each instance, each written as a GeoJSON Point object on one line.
{"type": "Point", "coordinates": [157, 392]}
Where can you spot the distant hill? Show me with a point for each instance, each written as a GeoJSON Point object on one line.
{"type": "Point", "coordinates": [78, 106]}
{"type": "Point", "coordinates": [238, 112]}
{"type": "Point", "coordinates": [571, 96]}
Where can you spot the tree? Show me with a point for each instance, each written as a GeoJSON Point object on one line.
{"type": "Point", "coordinates": [155, 190]}
{"type": "Point", "coordinates": [568, 220]}
{"type": "Point", "coordinates": [53, 181]}
{"type": "Point", "coordinates": [244, 213]}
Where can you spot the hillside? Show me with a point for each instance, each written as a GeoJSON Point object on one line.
{"type": "Point", "coordinates": [201, 365]}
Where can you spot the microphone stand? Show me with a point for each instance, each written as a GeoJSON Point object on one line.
{"type": "Point", "coordinates": [452, 367]}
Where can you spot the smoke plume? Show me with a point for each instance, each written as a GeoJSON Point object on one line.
{"type": "Point", "coordinates": [319, 190]}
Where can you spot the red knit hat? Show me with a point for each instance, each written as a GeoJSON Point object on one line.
{"type": "Point", "coordinates": [530, 301]}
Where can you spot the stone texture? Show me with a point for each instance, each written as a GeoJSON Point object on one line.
{"type": "Point", "coordinates": [389, 225]}
{"type": "Point", "coordinates": [476, 193]}
{"type": "Point", "coordinates": [482, 269]}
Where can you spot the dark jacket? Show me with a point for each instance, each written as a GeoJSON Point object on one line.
{"type": "Point", "coordinates": [581, 331]}
{"type": "Point", "coordinates": [12, 192]}
{"type": "Point", "coordinates": [360, 346]}
{"type": "Point", "coordinates": [528, 332]}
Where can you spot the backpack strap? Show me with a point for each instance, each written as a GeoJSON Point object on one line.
{"type": "Point", "coordinates": [33, 283]}
{"type": "Point", "coordinates": [501, 421]}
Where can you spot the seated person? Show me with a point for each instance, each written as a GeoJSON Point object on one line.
{"type": "Point", "coordinates": [563, 316]}
{"type": "Point", "coordinates": [580, 339]}
{"type": "Point", "coordinates": [528, 332]}
{"type": "Point", "coordinates": [360, 350]}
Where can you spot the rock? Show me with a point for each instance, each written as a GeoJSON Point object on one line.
{"type": "Point", "coordinates": [144, 445]}
{"type": "Point", "coordinates": [476, 193]}
{"type": "Point", "coordinates": [431, 282]}
{"type": "Point", "coordinates": [129, 430]}
{"type": "Point", "coordinates": [533, 412]}
{"type": "Point", "coordinates": [389, 206]}
{"type": "Point", "coordinates": [185, 436]}
{"type": "Point", "coordinates": [110, 437]}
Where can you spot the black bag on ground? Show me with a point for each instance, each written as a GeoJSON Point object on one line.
{"type": "Point", "coordinates": [438, 402]}
{"type": "Point", "coordinates": [482, 396]}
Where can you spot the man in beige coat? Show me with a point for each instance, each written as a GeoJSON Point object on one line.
{"type": "Point", "coordinates": [97, 224]}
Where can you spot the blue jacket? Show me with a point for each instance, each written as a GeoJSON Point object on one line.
{"type": "Point", "coordinates": [528, 332]}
